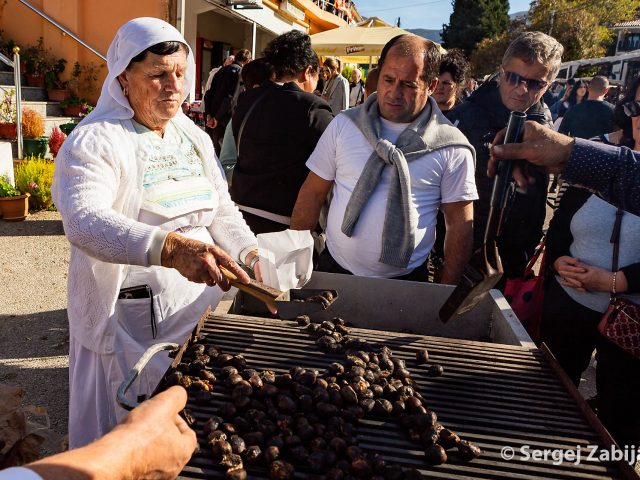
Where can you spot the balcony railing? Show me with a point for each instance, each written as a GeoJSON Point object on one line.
{"type": "Point", "coordinates": [340, 8]}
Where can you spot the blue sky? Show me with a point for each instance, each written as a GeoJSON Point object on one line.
{"type": "Point", "coordinates": [419, 13]}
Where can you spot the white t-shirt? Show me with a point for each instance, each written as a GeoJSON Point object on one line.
{"type": "Point", "coordinates": [444, 176]}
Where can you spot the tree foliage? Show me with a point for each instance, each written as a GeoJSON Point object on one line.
{"type": "Point", "coordinates": [487, 56]}
{"type": "Point", "coordinates": [474, 20]}
{"type": "Point", "coordinates": [581, 26]}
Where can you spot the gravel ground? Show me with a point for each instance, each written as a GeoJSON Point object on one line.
{"type": "Point", "coordinates": [34, 333]}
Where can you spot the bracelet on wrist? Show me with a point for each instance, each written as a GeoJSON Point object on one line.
{"type": "Point", "coordinates": [613, 283]}
{"type": "Point", "coordinates": [252, 263]}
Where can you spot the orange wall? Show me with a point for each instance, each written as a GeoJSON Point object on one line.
{"type": "Point", "coordinates": [94, 21]}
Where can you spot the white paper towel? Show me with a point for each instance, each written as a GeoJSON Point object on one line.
{"type": "Point", "coordinates": [286, 258]}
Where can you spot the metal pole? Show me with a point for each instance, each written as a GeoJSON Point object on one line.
{"type": "Point", "coordinates": [181, 12]}
{"type": "Point", "coordinates": [253, 39]}
{"type": "Point", "coordinates": [16, 77]}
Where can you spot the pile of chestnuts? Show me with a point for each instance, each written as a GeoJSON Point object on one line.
{"type": "Point", "coordinates": [306, 420]}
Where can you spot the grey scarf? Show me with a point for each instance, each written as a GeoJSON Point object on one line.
{"type": "Point", "coordinates": [430, 131]}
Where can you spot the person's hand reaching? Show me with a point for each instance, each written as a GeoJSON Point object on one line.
{"type": "Point", "coordinates": [198, 261]}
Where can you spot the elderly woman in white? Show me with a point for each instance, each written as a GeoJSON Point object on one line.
{"type": "Point", "coordinates": [149, 219]}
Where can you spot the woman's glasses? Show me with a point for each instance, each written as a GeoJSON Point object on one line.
{"type": "Point", "coordinates": [632, 108]}
{"type": "Point", "coordinates": [533, 85]}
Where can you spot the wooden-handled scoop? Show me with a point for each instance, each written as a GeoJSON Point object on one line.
{"type": "Point", "coordinates": [288, 304]}
{"type": "Point", "coordinates": [484, 269]}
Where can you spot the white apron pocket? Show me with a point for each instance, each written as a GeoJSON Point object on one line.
{"type": "Point", "coordinates": [141, 318]}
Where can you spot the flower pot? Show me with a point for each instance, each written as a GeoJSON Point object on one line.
{"type": "Point", "coordinates": [36, 146]}
{"type": "Point", "coordinates": [58, 94]}
{"type": "Point", "coordinates": [73, 110]}
{"type": "Point", "coordinates": [35, 80]}
{"type": "Point", "coordinates": [14, 209]}
{"type": "Point", "coordinates": [8, 130]}
{"type": "Point", "coordinates": [67, 127]}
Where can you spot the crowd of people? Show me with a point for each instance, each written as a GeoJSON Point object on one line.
{"type": "Point", "coordinates": [394, 170]}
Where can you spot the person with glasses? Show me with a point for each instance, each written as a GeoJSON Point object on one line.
{"type": "Point", "coordinates": [529, 66]}
{"type": "Point", "coordinates": [451, 79]}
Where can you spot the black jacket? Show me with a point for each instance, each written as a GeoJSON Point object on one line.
{"type": "Point", "coordinates": [277, 140]}
{"type": "Point", "coordinates": [480, 117]}
{"type": "Point", "coordinates": [217, 100]}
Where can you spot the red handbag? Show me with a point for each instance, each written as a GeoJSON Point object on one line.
{"type": "Point", "coordinates": [620, 323]}
{"type": "Point", "coordinates": [621, 326]}
{"type": "Point", "coordinates": [526, 294]}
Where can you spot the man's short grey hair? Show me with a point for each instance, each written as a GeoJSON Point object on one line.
{"type": "Point", "coordinates": [536, 47]}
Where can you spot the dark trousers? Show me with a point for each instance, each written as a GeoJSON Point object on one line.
{"type": "Point", "coordinates": [570, 331]}
{"type": "Point", "coordinates": [217, 135]}
{"type": "Point", "coordinates": [326, 263]}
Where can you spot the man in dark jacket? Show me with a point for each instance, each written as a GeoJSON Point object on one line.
{"type": "Point", "coordinates": [529, 66]}
{"type": "Point", "coordinates": [218, 100]}
{"type": "Point", "coordinates": [276, 127]}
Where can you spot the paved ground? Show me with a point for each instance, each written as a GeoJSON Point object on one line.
{"type": "Point", "coordinates": [33, 321]}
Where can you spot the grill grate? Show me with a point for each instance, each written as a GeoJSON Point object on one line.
{"type": "Point", "coordinates": [493, 395]}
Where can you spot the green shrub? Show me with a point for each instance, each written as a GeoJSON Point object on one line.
{"type": "Point", "coordinates": [6, 189]}
{"type": "Point", "coordinates": [34, 176]}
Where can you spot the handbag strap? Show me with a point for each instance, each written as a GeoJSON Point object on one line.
{"type": "Point", "coordinates": [615, 239]}
{"type": "Point", "coordinates": [540, 250]}
{"type": "Point", "coordinates": [244, 120]}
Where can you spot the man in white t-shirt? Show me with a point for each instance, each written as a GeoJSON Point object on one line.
{"type": "Point", "coordinates": [392, 163]}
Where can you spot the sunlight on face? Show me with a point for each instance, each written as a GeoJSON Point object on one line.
{"type": "Point", "coordinates": [402, 94]}
{"type": "Point", "coordinates": [156, 87]}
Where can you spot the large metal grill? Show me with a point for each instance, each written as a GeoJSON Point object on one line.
{"type": "Point", "coordinates": [496, 396]}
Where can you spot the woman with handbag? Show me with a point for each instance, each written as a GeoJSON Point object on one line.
{"type": "Point", "coordinates": [594, 258]}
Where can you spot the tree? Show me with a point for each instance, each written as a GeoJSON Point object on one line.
{"type": "Point", "coordinates": [581, 26]}
{"type": "Point", "coordinates": [474, 20]}
{"type": "Point", "coordinates": [487, 56]}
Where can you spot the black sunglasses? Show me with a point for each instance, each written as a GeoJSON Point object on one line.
{"type": "Point", "coordinates": [632, 108]}
{"type": "Point", "coordinates": [514, 80]}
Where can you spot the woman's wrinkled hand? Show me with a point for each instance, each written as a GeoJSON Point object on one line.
{"type": "Point", "coordinates": [198, 261]}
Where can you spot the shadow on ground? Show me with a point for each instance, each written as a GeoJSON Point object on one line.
{"type": "Point", "coordinates": [31, 228]}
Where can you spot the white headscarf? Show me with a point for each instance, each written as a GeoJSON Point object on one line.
{"type": "Point", "coordinates": [131, 39]}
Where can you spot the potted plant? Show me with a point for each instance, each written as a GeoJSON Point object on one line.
{"type": "Point", "coordinates": [57, 89]}
{"type": "Point", "coordinates": [35, 143]}
{"type": "Point", "coordinates": [8, 115]}
{"type": "Point", "coordinates": [75, 106]}
{"type": "Point", "coordinates": [34, 176]}
{"type": "Point", "coordinates": [56, 139]}
{"type": "Point", "coordinates": [37, 63]}
{"type": "Point", "coordinates": [14, 206]}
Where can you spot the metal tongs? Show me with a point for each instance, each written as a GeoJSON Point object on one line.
{"type": "Point", "coordinates": [484, 269]}
{"type": "Point", "coordinates": [288, 304]}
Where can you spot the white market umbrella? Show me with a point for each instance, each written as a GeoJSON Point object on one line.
{"type": "Point", "coordinates": [354, 41]}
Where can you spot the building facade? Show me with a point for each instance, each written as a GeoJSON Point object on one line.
{"type": "Point", "coordinates": [213, 28]}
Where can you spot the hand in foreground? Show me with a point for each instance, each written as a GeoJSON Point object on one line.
{"type": "Point", "coordinates": [198, 261]}
{"type": "Point", "coordinates": [153, 441]}
{"type": "Point", "coordinates": [160, 442]}
{"type": "Point", "coordinates": [540, 146]}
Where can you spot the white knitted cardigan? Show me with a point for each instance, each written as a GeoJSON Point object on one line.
{"type": "Point", "coordinates": [98, 190]}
